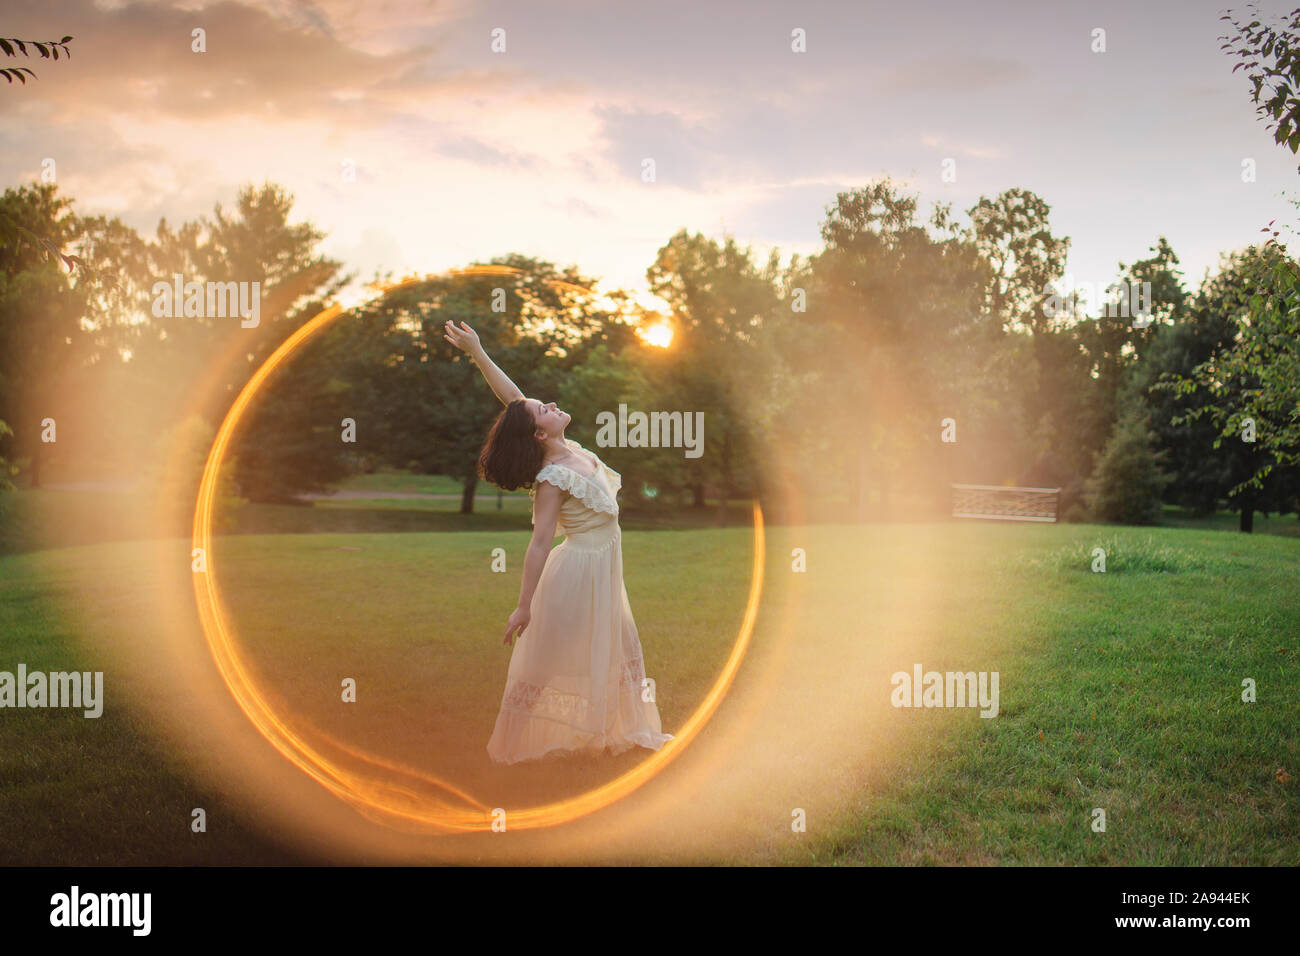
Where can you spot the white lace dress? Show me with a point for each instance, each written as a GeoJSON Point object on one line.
{"type": "Point", "coordinates": [577, 677]}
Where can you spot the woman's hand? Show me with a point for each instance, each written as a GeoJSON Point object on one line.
{"type": "Point", "coordinates": [464, 338]}
{"type": "Point", "coordinates": [518, 621]}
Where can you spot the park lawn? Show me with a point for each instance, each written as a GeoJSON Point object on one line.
{"type": "Point", "coordinates": [1120, 690]}
{"type": "Point", "coordinates": [94, 792]}
{"type": "Point", "coordinates": [416, 619]}
{"type": "Point", "coordinates": [1175, 517]}
{"type": "Point", "coordinates": [1126, 695]}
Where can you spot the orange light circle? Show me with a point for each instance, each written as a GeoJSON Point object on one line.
{"type": "Point", "coordinates": [385, 801]}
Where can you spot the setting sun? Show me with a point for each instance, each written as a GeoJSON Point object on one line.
{"type": "Point", "coordinates": [660, 334]}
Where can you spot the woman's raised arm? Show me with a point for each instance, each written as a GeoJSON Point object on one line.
{"type": "Point", "coordinates": [466, 339]}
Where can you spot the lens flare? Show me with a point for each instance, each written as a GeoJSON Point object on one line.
{"type": "Point", "coordinates": [423, 802]}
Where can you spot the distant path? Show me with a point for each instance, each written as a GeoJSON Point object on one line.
{"type": "Point", "coordinates": [121, 486]}
{"type": "Point", "coordinates": [127, 486]}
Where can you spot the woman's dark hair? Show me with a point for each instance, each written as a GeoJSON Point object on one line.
{"type": "Point", "coordinates": [512, 455]}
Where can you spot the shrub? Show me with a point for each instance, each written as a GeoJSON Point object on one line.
{"type": "Point", "coordinates": [176, 471]}
{"type": "Point", "coordinates": [1127, 483]}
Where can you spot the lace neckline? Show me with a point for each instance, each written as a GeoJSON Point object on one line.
{"type": "Point", "coordinates": [560, 464]}
{"type": "Point", "coordinates": [596, 491]}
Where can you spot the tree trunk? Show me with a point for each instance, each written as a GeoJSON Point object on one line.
{"type": "Point", "coordinates": [724, 486]}
{"type": "Point", "coordinates": [1209, 504]}
{"type": "Point", "coordinates": [467, 496]}
{"type": "Point", "coordinates": [1248, 510]}
{"type": "Point", "coordinates": [1249, 496]}
{"type": "Point", "coordinates": [698, 490]}
{"type": "Point", "coordinates": [38, 453]}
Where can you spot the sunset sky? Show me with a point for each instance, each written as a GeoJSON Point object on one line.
{"type": "Point", "coordinates": [462, 153]}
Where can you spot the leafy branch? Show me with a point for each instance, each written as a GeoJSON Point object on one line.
{"type": "Point", "coordinates": [47, 49]}
{"type": "Point", "coordinates": [1258, 376]}
{"type": "Point", "coordinates": [12, 230]}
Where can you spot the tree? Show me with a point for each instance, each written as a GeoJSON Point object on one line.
{"type": "Point", "coordinates": [1271, 58]}
{"type": "Point", "coordinates": [175, 471]}
{"type": "Point", "coordinates": [1127, 484]}
{"type": "Point", "coordinates": [42, 344]}
{"type": "Point", "coordinates": [1013, 234]}
{"type": "Point", "coordinates": [1249, 390]}
{"type": "Point", "coordinates": [200, 362]}
{"type": "Point", "coordinates": [721, 300]}
{"type": "Point", "coordinates": [1046, 420]}
{"type": "Point", "coordinates": [1115, 342]}
{"type": "Point", "coordinates": [421, 403]}
{"type": "Point", "coordinates": [598, 384]}
{"type": "Point", "coordinates": [1201, 473]}
{"type": "Point", "coordinates": [1262, 368]}
{"type": "Point", "coordinates": [11, 230]}
{"type": "Point", "coordinates": [900, 313]}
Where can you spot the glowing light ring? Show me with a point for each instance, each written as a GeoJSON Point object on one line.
{"type": "Point", "coordinates": [385, 801]}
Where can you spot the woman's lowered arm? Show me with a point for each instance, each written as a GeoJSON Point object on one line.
{"type": "Point", "coordinates": [546, 514]}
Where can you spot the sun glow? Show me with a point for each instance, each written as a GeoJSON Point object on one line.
{"type": "Point", "coordinates": [659, 335]}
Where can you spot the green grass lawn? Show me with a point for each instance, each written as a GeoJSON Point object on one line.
{"type": "Point", "coordinates": [1228, 521]}
{"type": "Point", "coordinates": [1118, 690]}
{"type": "Point", "coordinates": [418, 621]}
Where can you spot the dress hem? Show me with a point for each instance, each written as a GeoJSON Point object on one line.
{"type": "Point", "coordinates": [606, 747]}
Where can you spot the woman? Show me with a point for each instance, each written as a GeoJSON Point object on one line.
{"type": "Point", "coordinates": [577, 678]}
